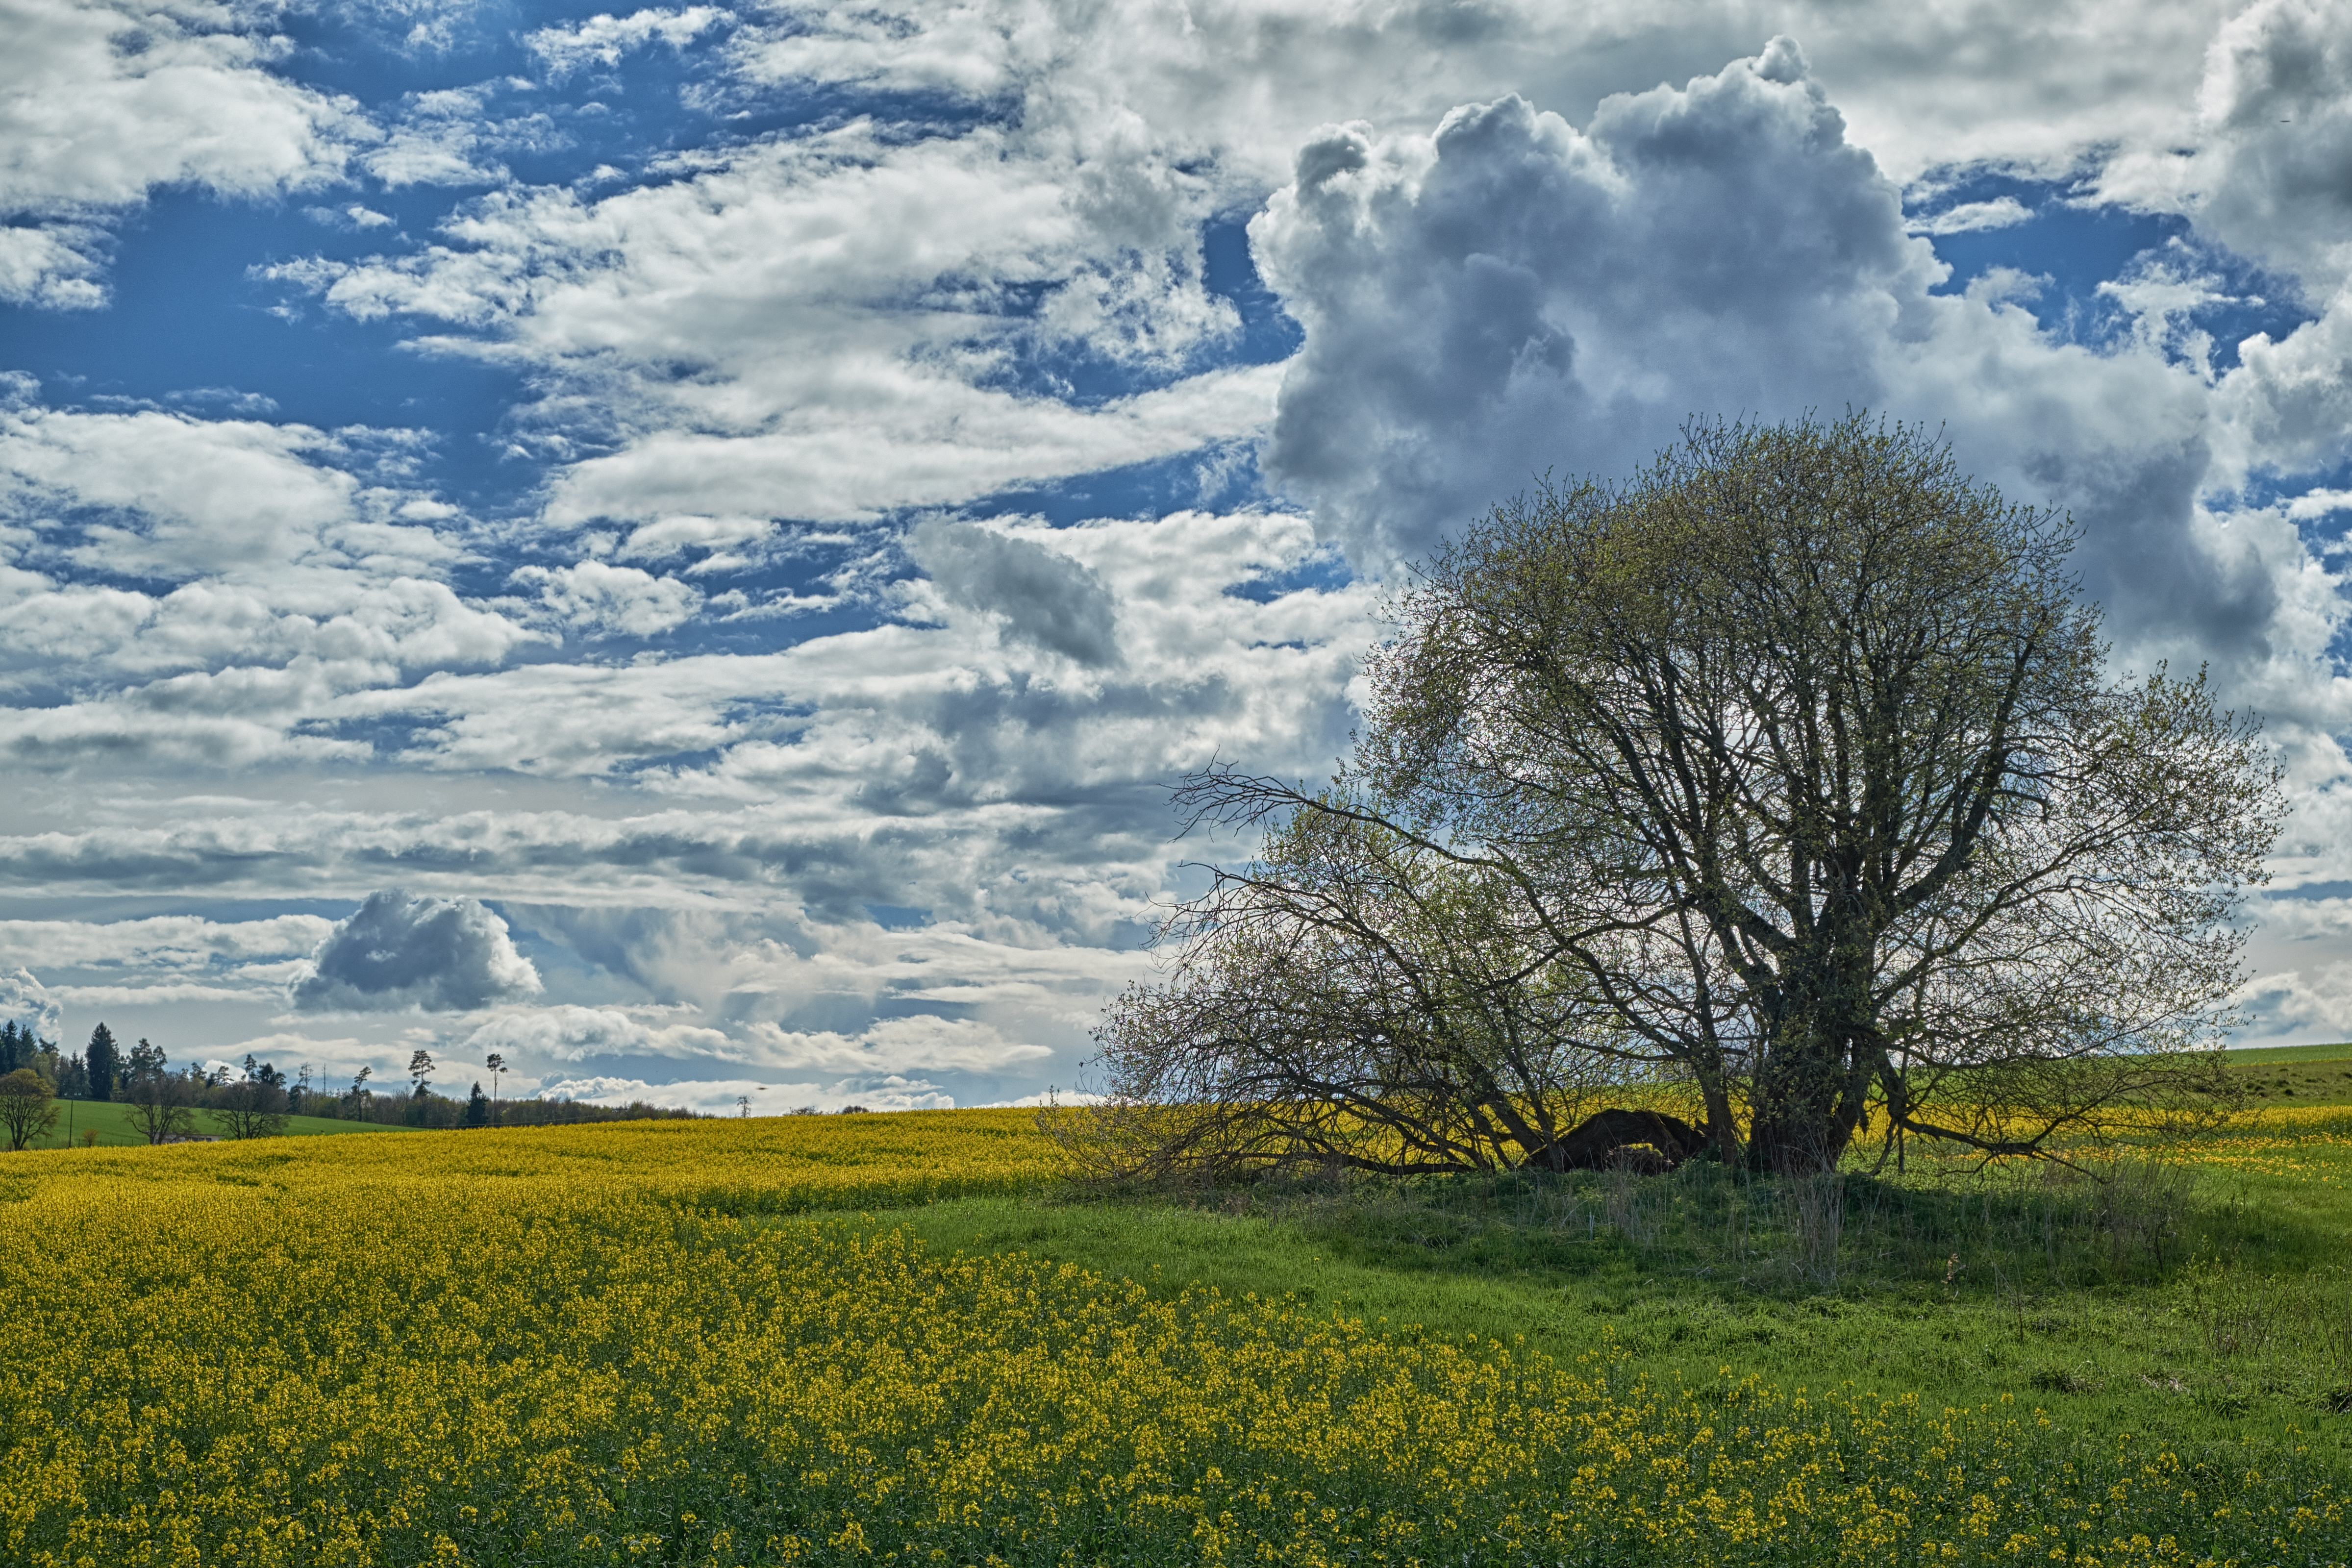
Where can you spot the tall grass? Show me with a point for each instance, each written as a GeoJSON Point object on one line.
{"type": "Point", "coordinates": [2003, 1230]}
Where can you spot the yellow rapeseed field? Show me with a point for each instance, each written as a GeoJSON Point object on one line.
{"type": "Point", "coordinates": [628, 1344]}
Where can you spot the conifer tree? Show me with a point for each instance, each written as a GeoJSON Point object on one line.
{"type": "Point", "coordinates": [102, 1064]}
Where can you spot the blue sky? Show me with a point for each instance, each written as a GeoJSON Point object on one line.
{"type": "Point", "coordinates": [683, 545]}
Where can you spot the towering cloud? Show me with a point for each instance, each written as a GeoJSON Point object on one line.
{"type": "Point", "coordinates": [399, 951]}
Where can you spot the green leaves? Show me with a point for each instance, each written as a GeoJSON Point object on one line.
{"type": "Point", "coordinates": [1798, 753]}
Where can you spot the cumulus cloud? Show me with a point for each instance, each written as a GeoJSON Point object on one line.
{"type": "Point", "coordinates": [603, 600]}
{"type": "Point", "coordinates": [450, 136]}
{"type": "Point", "coordinates": [27, 1002]}
{"type": "Point", "coordinates": [1508, 293]}
{"type": "Point", "coordinates": [101, 103]}
{"type": "Point", "coordinates": [2274, 180]}
{"type": "Point", "coordinates": [603, 38]}
{"type": "Point", "coordinates": [1042, 597]}
{"type": "Point", "coordinates": [399, 951]}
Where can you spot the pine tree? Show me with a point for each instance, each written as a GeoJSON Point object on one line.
{"type": "Point", "coordinates": [102, 1064]}
{"type": "Point", "coordinates": [14, 1048]}
{"type": "Point", "coordinates": [478, 1108]}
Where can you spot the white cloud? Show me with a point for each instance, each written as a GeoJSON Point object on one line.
{"type": "Point", "coordinates": [604, 39]}
{"type": "Point", "coordinates": [449, 137]}
{"type": "Point", "coordinates": [1969, 217]}
{"type": "Point", "coordinates": [2273, 175]}
{"type": "Point", "coordinates": [603, 600]}
{"type": "Point", "coordinates": [101, 103]}
{"type": "Point", "coordinates": [892, 1048]}
{"type": "Point", "coordinates": [168, 942]}
{"type": "Point", "coordinates": [896, 269]}
{"type": "Point", "coordinates": [25, 1002]}
{"type": "Point", "coordinates": [1040, 596]}
{"type": "Point", "coordinates": [248, 574]}
{"type": "Point", "coordinates": [573, 1034]}
{"type": "Point", "coordinates": [1925, 85]}
{"type": "Point", "coordinates": [666, 538]}
{"type": "Point", "coordinates": [720, 1097]}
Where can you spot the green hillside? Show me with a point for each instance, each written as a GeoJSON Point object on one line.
{"type": "Point", "coordinates": [113, 1125]}
{"type": "Point", "coordinates": [2320, 1074]}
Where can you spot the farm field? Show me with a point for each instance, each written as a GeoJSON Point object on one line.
{"type": "Point", "coordinates": [900, 1338]}
{"type": "Point", "coordinates": [112, 1123]}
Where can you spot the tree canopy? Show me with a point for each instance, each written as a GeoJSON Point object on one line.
{"type": "Point", "coordinates": [1792, 769]}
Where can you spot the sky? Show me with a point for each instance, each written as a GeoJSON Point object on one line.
{"type": "Point", "coordinates": [683, 547]}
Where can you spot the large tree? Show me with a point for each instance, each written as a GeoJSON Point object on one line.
{"type": "Point", "coordinates": [27, 1108]}
{"type": "Point", "coordinates": [102, 1062]}
{"type": "Point", "coordinates": [254, 1105]}
{"type": "Point", "coordinates": [162, 1102]}
{"type": "Point", "coordinates": [1796, 763]}
{"type": "Point", "coordinates": [1355, 998]}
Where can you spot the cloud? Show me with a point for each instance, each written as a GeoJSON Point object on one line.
{"type": "Point", "coordinates": [25, 1002]}
{"type": "Point", "coordinates": [1507, 294]}
{"type": "Point", "coordinates": [1927, 86]}
{"type": "Point", "coordinates": [604, 39]}
{"type": "Point", "coordinates": [2274, 177]}
{"type": "Point", "coordinates": [603, 600]}
{"type": "Point", "coordinates": [931, 284]}
{"type": "Point", "coordinates": [163, 941]}
{"type": "Point", "coordinates": [1970, 218]}
{"type": "Point", "coordinates": [443, 136]}
{"type": "Point", "coordinates": [718, 1097]}
{"type": "Point", "coordinates": [101, 103]}
{"type": "Point", "coordinates": [894, 1046]}
{"type": "Point", "coordinates": [399, 951]}
{"type": "Point", "coordinates": [1042, 597]}
{"type": "Point", "coordinates": [581, 1034]}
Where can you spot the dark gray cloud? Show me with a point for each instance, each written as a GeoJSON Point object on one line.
{"type": "Point", "coordinates": [1046, 599]}
{"type": "Point", "coordinates": [399, 951]}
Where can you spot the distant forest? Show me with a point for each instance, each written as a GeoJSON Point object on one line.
{"type": "Point", "coordinates": [172, 1103]}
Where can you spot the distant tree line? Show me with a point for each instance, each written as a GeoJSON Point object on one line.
{"type": "Point", "coordinates": [170, 1105]}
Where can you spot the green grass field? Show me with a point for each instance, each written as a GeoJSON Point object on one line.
{"type": "Point", "coordinates": [2206, 1302]}
{"type": "Point", "coordinates": [114, 1127]}
{"type": "Point", "coordinates": [2320, 1073]}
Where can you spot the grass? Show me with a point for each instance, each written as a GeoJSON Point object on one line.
{"type": "Point", "coordinates": [2321, 1074]}
{"type": "Point", "coordinates": [2204, 1302]}
{"type": "Point", "coordinates": [112, 1123]}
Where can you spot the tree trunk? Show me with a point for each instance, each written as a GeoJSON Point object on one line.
{"type": "Point", "coordinates": [1805, 1114]}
